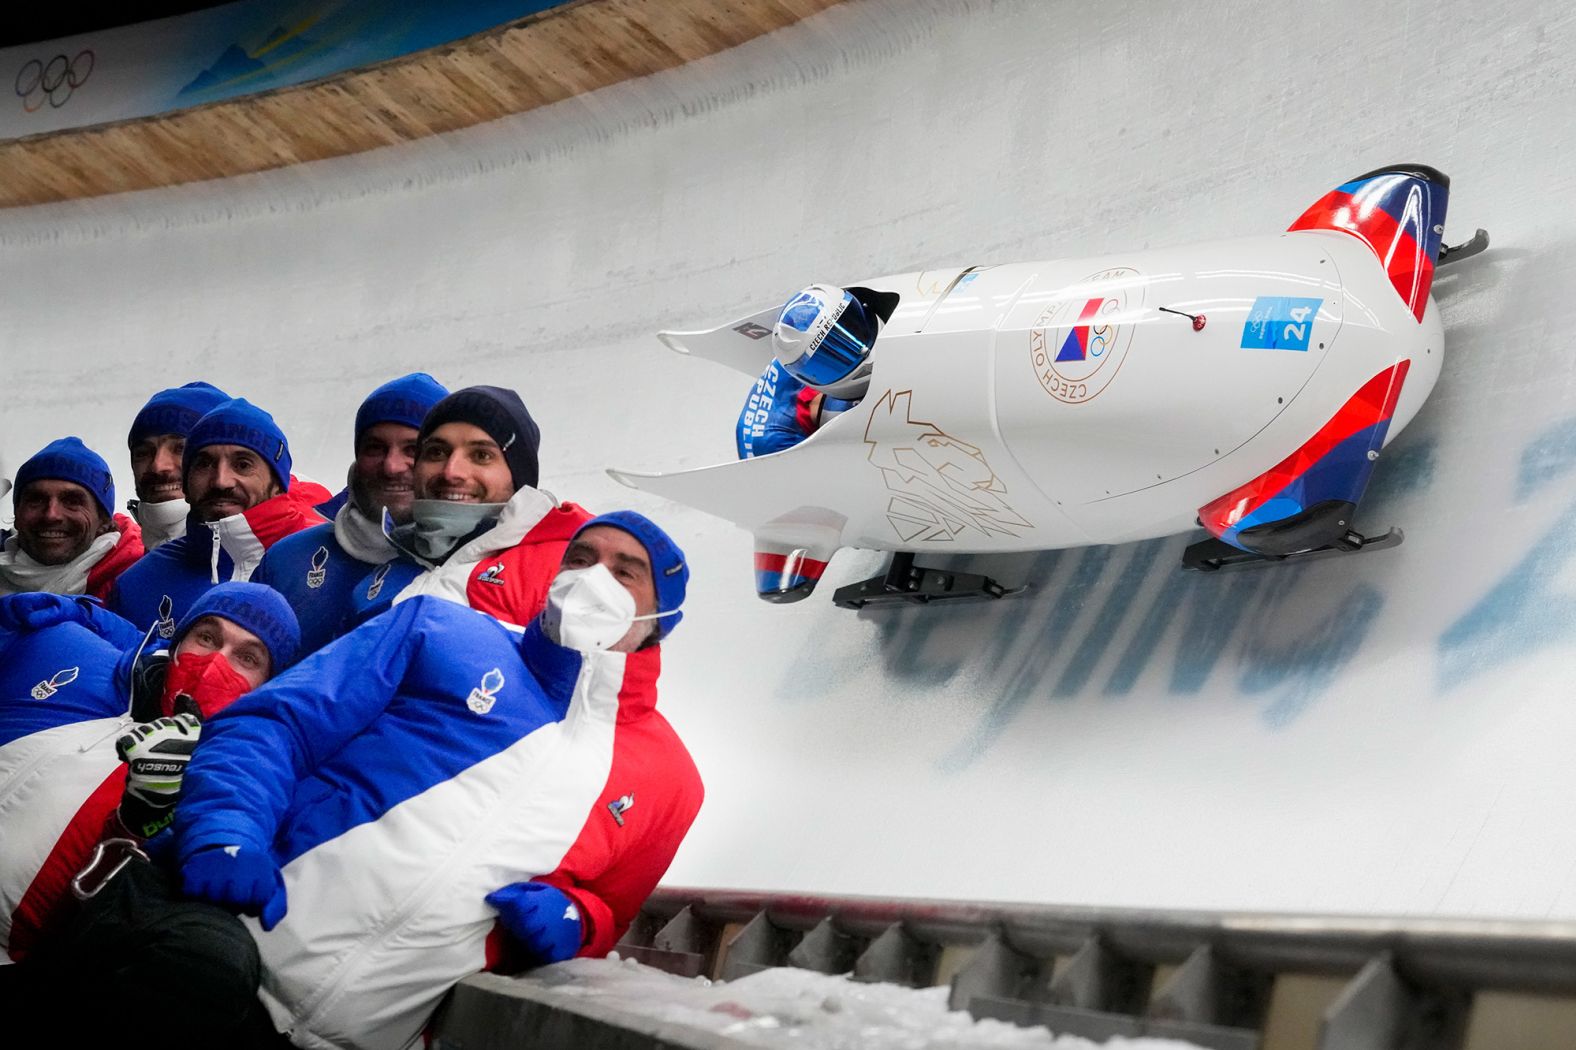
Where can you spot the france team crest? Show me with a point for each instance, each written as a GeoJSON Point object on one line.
{"type": "Point", "coordinates": [485, 695]}
{"type": "Point", "coordinates": [319, 570]}
{"type": "Point", "coordinates": [46, 689]}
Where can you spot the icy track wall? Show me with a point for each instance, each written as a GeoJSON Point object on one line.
{"type": "Point", "coordinates": [1390, 733]}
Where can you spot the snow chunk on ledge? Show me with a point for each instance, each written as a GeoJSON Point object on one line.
{"type": "Point", "coordinates": [786, 1007]}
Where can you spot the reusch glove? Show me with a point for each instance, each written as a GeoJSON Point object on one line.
{"type": "Point", "coordinates": [542, 920]}
{"type": "Point", "coordinates": [156, 754]}
{"type": "Point", "coordinates": [242, 878]}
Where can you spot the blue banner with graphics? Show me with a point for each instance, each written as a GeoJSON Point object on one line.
{"type": "Point", "coordinates": [222, 53]}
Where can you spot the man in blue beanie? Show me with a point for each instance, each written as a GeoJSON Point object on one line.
{"type": "Point", "coordinates": [317, 569]}
{"type": "Point", "coordinates": [521, 786]}
{"type": "Point", "coordinates": [157, 441]}
{"type": "Point", "coordinates": [236, 475]}
{"type": "Point", "coordinates": [84, 775]}
{"type": "Point", "coordinates": [68, 538]}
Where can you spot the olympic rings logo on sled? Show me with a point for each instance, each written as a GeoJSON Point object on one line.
{"type": "Point", "coordinates": [54, 81]}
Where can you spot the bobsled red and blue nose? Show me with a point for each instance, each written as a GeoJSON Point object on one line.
{"type": "Point", "coordinates": [1306, 501]}
{"type": "Point", "coordinates": [1399, 212]}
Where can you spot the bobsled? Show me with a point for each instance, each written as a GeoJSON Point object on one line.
{"type": "Point", "coordinates": [1246, 386]}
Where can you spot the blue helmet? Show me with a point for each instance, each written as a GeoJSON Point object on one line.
{"type": "Point", "coordinates": [823, 338]}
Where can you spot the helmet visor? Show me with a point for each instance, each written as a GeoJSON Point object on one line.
{"type": "Point", "coordinates": [839, 353]}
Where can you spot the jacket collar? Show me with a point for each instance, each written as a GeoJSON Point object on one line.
{"type": "Point", "coordinates": [244, 537]}
{"type": "Point", "coordinates": [559, 671]}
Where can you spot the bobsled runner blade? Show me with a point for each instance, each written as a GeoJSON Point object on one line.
{"type": "Point", "coordinates": [1213, 555]}
{"type": "Point", "coordinates": [910, 584]}
{"type": "Point", "coordinates": [1465, 250]}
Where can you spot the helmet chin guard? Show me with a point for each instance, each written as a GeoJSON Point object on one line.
{"type": "Point", "coordinates": [823, 337]}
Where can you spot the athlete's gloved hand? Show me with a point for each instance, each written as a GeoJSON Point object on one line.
{"type": "Point", "coordinates": [243, 878]}
{"type": "Point", "coordinates": [155, 754]}
{"type": "Point", "coordinates": [35, 610]}
{"type": "Point", "coordinates": [541, 918]}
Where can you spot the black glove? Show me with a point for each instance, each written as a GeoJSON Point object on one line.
{"type": "Point", "coordinates": [156, 754]}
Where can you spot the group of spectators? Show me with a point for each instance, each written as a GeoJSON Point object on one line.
{"type": "Point", "coordinates": [281, 767]}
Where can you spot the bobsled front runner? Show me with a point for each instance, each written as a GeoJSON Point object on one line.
{"type": "Point", "coordinates": [1244, 385]}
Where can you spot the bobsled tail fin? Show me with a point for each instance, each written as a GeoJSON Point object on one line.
{"type": "Point", "coordinates": [1306, 501]}
{"type": "Point", "coordinates": [1399, 212]}
{"type": "Point", "coordinates": [786, 573]}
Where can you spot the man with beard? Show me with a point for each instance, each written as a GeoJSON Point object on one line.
{"type": "Point", "coordinates": [74, 680]}
{"type": "Point", "coordinates": [157, 440]}
{"type": "Point", "coordinates": [236, 474]}
{"type": "Point", "coordinates": [68, 539]}
{"type": "Point", "coordinates": [316, 570]}
{"type": "Point", "coordinates": [481, 532]}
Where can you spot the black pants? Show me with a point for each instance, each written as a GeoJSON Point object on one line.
{"type": "Point", "coordinates": [139, 957]}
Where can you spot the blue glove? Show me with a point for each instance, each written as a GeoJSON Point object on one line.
{"type": "Point", "coordinates": [241, 878]}
{"type": "Point", "coordinates": [35, 610]}
{"type": "Point", "coordinates": [541, 918]}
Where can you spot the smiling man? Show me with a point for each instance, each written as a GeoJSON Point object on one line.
{"type": "Point", "coordinates": [317, 570]}
{"type": "Point", "coordinates": [236, 474]}
{"type": "Point", "coordinates": [481, 532]}
{"type": "Point", "coordinates": [67, 539]}
{"type": "Point", "coordinates": [157, 441]}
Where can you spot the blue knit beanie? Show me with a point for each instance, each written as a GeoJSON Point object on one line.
{"type": "Point", "coordinates": [239, 422]}
{"type": "Point", "coordinates": [668, 569]}
{"type": "Point", "coordinates": [69, 460]}
{"type": "Point", "coordinates": [253, 607]}
{"type": "Point", "coordinates": [405, 400]}
{"type": "Point", "coordinates": [174, 411]}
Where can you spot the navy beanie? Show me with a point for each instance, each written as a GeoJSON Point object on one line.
{"type": "Point", "coordinates": [239, 422]}
{"type": "Point", "coordinates": [668, 569]}
{"type": "Point", "coordinates": [69, 460]}
{"type": "Point", "coordinates": [503, 415]}
{"type": "Point", "coordinates": [174, 411]}
{"type": "Point", "coordinates": [405, 400]}
{"type": "Point", "coordinates": [253, 607]}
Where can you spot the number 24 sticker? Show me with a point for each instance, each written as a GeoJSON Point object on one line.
{"type": "Point", "coordinates": [1280, 322]}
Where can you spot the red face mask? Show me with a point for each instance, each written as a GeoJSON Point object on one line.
{"type": "Point", "coordinates": [205, 681]}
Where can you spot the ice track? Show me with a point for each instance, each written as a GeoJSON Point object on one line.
{"type": "Point", "coordinates": [1389, 734]}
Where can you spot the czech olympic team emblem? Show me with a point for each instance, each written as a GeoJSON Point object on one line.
{"type": "Point", "coordinates": [485, 695]}
{"type": "Point", "coordinates": [377, 580]}
{"type": "Point", "coordinates": [60, 679]}
{"type": "Point", "coordinates": [166, 622]}
{"type": "Point", "coordinates": [1078, 343]}
{"type": "Point", "coordinates": [319, 570]}
{"type": "Point", "coordinates": [619, 806]}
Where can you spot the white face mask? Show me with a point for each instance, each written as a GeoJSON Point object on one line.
{"type": "Point", "coordinates": [589, 610]}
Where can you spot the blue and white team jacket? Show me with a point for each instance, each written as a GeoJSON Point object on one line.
{"type": "Point", "coordinates": [164, 583]}
{"type": "Point", "coordinates": [62, 705]}
{"type": "Point", "coordinates": [399, 775]}
{"type": "Point", "coordinates": [318, 575]}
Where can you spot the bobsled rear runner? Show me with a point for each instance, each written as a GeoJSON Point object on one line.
{"type": "Point", "coordinates": [1247, 386]}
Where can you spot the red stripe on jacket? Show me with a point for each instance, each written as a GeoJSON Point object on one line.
{"type": "Point", "coordinates": [48, 902]}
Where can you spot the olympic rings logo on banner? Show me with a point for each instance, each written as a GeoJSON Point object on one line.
{"type": "Point", "coordinates": [53, 81]}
